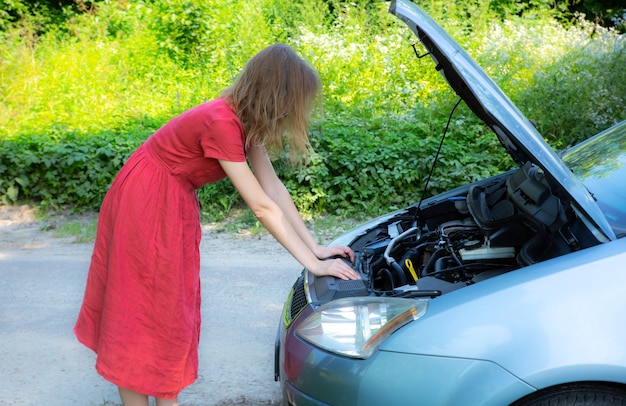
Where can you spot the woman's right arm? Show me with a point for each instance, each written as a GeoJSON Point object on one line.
{"type": "Point", "coordinates": [277, 223]}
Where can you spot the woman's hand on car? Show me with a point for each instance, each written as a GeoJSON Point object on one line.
{"type": "Point", "coordinates": [337, 267]}
{"type": "Point", "coordinates": [323, 252]}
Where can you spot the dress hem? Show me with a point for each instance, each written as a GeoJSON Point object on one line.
{"type": "Point", "coordinates": [146, 392]}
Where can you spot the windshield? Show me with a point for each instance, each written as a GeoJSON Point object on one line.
{"type": "Point", "coordinates": [600, 163]}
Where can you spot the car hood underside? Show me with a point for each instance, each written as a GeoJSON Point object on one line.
{"type": "Point", "coordinates": [515, 132]}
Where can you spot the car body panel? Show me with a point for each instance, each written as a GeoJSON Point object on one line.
{"type": "Point", "coordinates": [535, 321]}
{"type": "Point", "coordinates": [459, 381]}
{"type": "Point", "coordinates": [412, 378]}
{"type": "Point", "coordinates": [484, 97]}
{"type": "Point", "coordinates": [474, 350]}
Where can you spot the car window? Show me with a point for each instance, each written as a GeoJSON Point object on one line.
{"type": "Point", "coordinates": [600, 163]}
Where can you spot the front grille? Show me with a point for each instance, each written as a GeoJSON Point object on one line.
{"type": "Point", "coordinates": [351, 285]}
{"type": "Point", "coordinates": [297, 301]}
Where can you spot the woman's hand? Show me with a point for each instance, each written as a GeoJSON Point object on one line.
{"type": "Point", "coordinates": [337, 268]}
{"type": "Point", "coordinates": [323, 252]}
{"type": "Point", "coordinates": [272, 205]}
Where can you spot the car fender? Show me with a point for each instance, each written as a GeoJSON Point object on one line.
{"type": "Point", "coordinates": [553, 322]}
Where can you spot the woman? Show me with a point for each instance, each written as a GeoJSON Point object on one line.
{"type": "Point", "coordinates": [141, 309]}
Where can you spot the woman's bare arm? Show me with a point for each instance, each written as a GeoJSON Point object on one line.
{"type": "Point", "coordinates": [280, 223]}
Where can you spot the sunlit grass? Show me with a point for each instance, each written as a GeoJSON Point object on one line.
{"type": "Point", "coordinates": [82, 229]}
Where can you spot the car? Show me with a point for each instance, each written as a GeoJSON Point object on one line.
{"type": "Point", "coordinates": [506, 291]}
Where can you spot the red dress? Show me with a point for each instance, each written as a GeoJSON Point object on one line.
{"type": "Point", "coordinates": [141, 309]}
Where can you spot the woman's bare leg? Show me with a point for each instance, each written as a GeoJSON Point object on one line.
{"type": "Point", "coordinates": [132, 398]}
{"type": "Point", "coordinates": [166, 402]}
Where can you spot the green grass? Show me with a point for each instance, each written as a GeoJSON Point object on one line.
{"type": "Point", "coordinates": [82, 230]}
{"type": "Point", "coordinates": [79, 227]}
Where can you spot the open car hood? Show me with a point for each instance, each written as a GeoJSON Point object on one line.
{"type": "Point", "coordinates": [516, 133]}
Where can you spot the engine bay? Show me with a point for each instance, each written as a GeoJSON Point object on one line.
{"type": "Point", "coordinates": [461, 238]}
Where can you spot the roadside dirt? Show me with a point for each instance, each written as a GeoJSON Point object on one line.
{"type": "Point", "coordinates": [20, 228]}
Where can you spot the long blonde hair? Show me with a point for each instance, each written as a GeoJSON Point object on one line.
{"type": "Point", "coordinates": [273, 97]}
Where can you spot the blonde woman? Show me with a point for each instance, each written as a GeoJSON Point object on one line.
{"type": "Point", "coordinates": [141, 309]}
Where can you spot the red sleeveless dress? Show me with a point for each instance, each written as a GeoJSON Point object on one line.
{"type": "Point", "coordinates": [141, 309]}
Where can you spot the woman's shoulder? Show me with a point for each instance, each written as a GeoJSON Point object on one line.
{"type": "Point", "coordinates": [214, 114]}
{"type": "Point", "coordinates": [216, 109]}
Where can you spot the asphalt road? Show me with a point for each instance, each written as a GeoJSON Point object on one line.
{"type": "Point", "coordinates": [244, 284]}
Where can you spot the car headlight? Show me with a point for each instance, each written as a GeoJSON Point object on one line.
{"type": "Point", "coordinates": [355, 327]}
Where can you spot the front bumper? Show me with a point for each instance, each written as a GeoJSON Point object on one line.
{"type": "Point", "coordinates": [387, 378]}
{"type": "Point", "coordinates": [312, 376]}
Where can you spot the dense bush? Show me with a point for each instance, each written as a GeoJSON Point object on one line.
{"type": "Point", "coordinates": [79, 94]}
{"type": "Point", "coordinates": [61, 168]}
{"type": "Point", "coordinates": [383, 163]}
{"type": "Point", "coordinates": [571, 85]}
{"type": "Point", "coordinates": [595, 94]}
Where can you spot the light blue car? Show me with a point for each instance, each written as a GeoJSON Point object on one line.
{"type": "Point", "coordinates": [508, 291]}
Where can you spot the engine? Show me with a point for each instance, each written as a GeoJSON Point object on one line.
{"type": "Point", "coordinates": [465, 237]}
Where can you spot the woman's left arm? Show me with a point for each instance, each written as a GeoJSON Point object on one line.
{"type": "Point", "coordinates": [276, 190]}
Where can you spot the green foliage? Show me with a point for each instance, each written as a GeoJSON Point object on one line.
{"type": "Point", "coordinates": [81, 88]}
{"type": "Point", "coordinates": [39, 16]}
{"type": "Point", "coordinates": [9, 12]}
{"type": "Point", "coordinates": [365, 166]}
{"type": "Point", "coordinates": [218, 200]}
{"type": "Point", "coordinates": [181, 27]}
{"type": "Point", "coordinates": [606, 13]}
{"type": "Point", "coordinates": [62, 167]}
{"type": "Point", "coordinates": [568, 79]}
{"type": "Point", "coordinates": [582, 90]}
